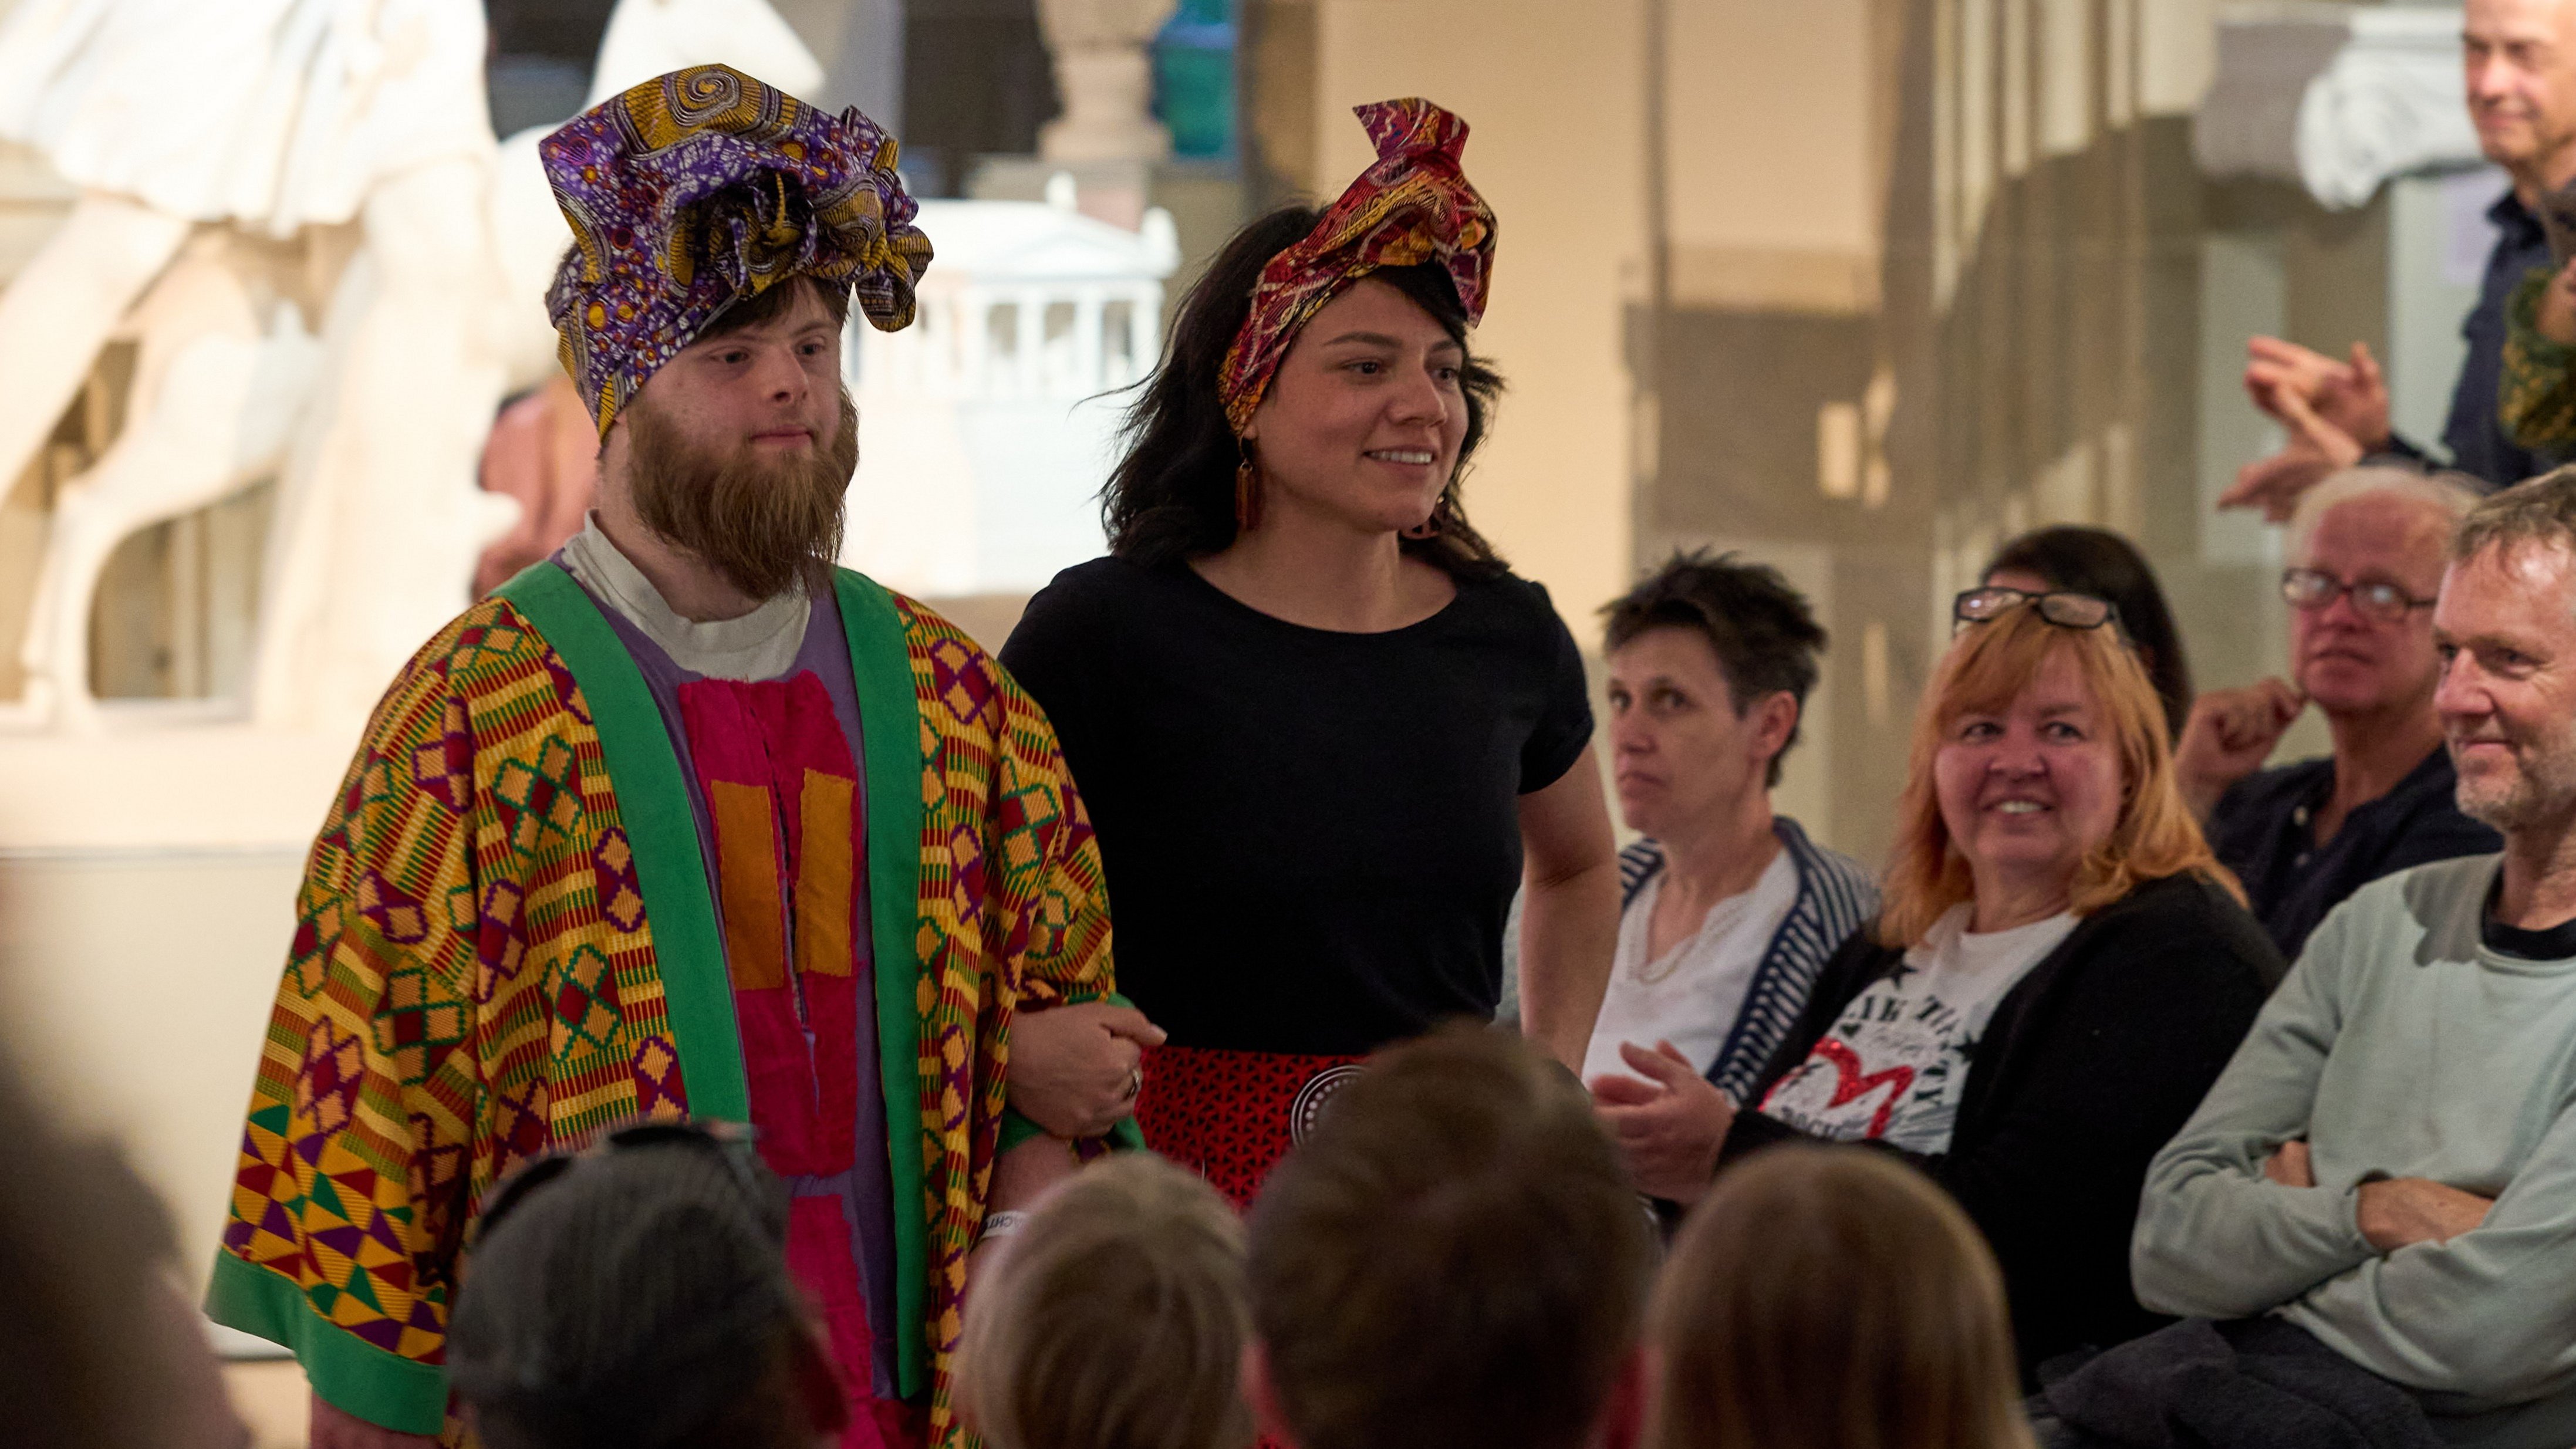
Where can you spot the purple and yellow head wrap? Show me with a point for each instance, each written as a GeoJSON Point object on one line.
{"type": "Point", "coordinates": [704, 188]}
{"type": "Point", "coordinates": [1412, 206]}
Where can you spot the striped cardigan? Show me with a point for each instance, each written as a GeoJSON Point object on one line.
{"type": "Point", "coordinates": [1835, 898]}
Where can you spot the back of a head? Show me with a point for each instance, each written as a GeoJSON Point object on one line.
{"type": "Point", "coordinates": [1832, 1298]}
{"type": "Point", "coordinates": [2538, 512]}
{"type": "Point", "coordinates": [643, 1301]}
{"type": "Point", "coordinates": [2446, 499]}
{"type": "Point", "coordinates": [97, 1348]}
{"type": "Point", "coordinates": [1115, 1319]}
{"type": "Point", "coordinates": [1454, 1258]}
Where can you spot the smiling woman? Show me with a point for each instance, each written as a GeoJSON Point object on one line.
{"type": "Point", "coordinates": [2040, 782]}
{"type": "Point", "coordinates": [1190, 486]}
{"type": "Point", "coordinates": [1323, 731]}
{"type": "Point", "coordinates": [2057, 975]}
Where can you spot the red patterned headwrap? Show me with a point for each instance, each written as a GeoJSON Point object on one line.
{"type": "Point", "coordinates": [1412, 206]}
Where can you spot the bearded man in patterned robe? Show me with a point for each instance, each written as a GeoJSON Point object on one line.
{"type": "Point", "coordinates": [684, 822]}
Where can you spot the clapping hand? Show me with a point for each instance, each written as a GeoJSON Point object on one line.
{"type": "Point", "coordinates": [2337, 413]}
{"type": "Point", "coordinates": [2351, 396]}
{"type": "Point", "coordinates": [1669, 1126]}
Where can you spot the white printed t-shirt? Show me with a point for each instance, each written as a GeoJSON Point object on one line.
{"type": "Point", "coordinates": [1892, 1067]}
{"type": "Point", "coordinates": [1690, 997]}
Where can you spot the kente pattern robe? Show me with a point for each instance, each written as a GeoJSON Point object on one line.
{"type": "Point", "coordinates": [506, 939]}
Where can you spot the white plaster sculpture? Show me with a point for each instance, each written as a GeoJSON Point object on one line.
{"type": "Point", "coordinates": [2336, 99]}
{"type": "Point", "coordinates": [284, 119]}
{"type": "Point", "coordinates": [646, 38]}
{"type": "Point", "coordinates": [270, 114]}
{"type": "Point", "coordinates": [1105, 74]}
{"type": "Point", "coordinates": [381, 519]}
{"type": "Point", "coordinates": [220, 382]}
{"type": "Point", "coordinates": [357, 133]}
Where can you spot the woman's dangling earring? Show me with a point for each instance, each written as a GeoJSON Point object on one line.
{"type": "Point", "coordinates": [1247, 494]}
{"type": "Point", "coordinates": [1430, 527]}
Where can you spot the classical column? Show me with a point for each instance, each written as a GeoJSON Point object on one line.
{"type": "Point", "coordinates": [1105, 74]}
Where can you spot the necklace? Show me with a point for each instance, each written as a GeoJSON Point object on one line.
{"type": "Point", "coordinates": [1721, 918]}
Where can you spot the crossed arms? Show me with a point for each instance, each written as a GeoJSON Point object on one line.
{"type": "Point", "coordinates": [2437, 1286]}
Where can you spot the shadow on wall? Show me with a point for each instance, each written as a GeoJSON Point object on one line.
{"type": "Point", "coordinates": [2054, 334]}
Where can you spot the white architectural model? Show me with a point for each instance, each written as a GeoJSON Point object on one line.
{"type": "Point", "coordinates": [988, 426]}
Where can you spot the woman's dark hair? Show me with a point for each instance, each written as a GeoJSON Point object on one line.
{"type": "Point", "coordinates": [2103, 564]}
{"type": "Point", "coordinates": [1172, 496]}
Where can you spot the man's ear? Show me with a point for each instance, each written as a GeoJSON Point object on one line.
{"type": "Point", "coordinates": [1622, 1424]}
{"type": "Point", "coordinates": [616, 444]}
{"type": "Point", "coordinates": [1262, 1395]}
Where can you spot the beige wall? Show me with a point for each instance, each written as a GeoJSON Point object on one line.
{"type": "Point", "coordinates": [1773, 195]}
{"type": "Point", "coordinates": [147, 897]}
{"type": "Point", "coordinates": [1770, 125]}
{"type": "Point", "coordinates": [136, 989]}
{"type": "Point", "coordinates": [1551, 92]}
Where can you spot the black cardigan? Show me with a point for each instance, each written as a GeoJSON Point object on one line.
{"type": "Point", "coordinates": [2091, 1063]}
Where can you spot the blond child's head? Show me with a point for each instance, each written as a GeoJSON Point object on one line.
{"type": "Point", "coordinates": [1114, 1319]}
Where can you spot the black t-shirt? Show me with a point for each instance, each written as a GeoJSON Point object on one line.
{"type": "Point", "coordinates": [1311, 837]}
{"type": "Point", "coordinates": [2549, 943]}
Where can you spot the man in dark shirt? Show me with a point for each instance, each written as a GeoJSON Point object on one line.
{"type": "Point", "coordinates": [2521, 78]}
{"type": "Point", "coordinates": [2367, 551]}
{"type": "Point", "coordinates": [2480, 446]}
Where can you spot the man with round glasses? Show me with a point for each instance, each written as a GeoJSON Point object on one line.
{"type": "Point", "coordinates": [2366, 553]}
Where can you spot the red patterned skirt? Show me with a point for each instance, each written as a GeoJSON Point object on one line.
{"type": "Point", "coordinates": [1230, 1116]}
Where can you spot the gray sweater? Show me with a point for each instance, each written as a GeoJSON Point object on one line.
{"type": "Point", "coordinates": [2399, 1046]}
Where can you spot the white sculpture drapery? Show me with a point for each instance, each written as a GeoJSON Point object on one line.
{"type": "Point", "coordinates": [2337, 99]}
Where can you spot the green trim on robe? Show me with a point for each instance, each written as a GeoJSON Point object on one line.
{"type": "Point", "coordinates": [653, 804]}
{"type": "Point", "coordinates": [350, 1373]}
{"type": "Point", "coordinates": [653, 800]}
{"type": "Point", "coordinates": [890, 732]}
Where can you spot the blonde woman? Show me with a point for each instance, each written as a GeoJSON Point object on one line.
{"type": "Point", "coordinates": [1115, 1318]}
{"type": "Point", "coordinates": [1829, 1298]}
{"type": "Point", "coordinates": [2058, 972]}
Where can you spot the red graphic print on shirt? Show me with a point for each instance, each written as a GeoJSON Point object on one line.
{"type": "Point", "coordinates": [1851, 1081]}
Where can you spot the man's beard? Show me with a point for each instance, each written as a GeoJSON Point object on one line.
{"type": "Point", "coordinates": [763, 523]}
{"type": "Point", "coordinates": [2541, 791]}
